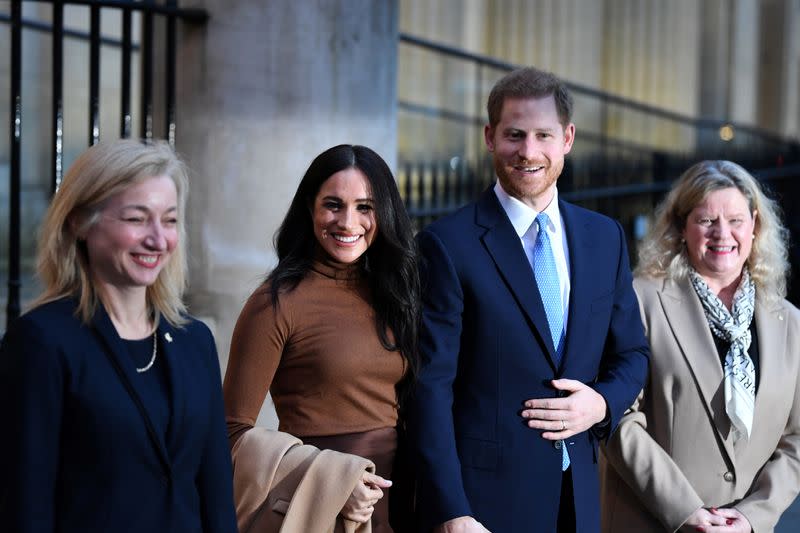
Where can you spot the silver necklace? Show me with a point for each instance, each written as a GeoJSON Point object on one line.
{"type": "Point", "coordinates": [153, 358]}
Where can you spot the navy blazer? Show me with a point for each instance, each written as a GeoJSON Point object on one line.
{"type": "Point", "coordinates": [486, 349]}
{"type": "Point", "coordinates": [80, 452]}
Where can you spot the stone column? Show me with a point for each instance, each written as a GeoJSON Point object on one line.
{"type": "Point", "coordinates": [263, 88]}
{"type": "Point", "coordinates": [777, 89]}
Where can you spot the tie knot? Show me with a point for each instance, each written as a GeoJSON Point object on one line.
{"type": "Point", "coordinates": [542, 220]}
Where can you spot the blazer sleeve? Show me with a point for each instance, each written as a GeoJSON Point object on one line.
{"type": "Point", "coordinates": [215, 478]}
{"type": "Point", "coordinates": [33, 371]}
{"type": "Point", "coordinates": [441, 494]}
{"type": "Point", "coordinates": [260, 334]}
{"type": "Point", "coordinates": [624, 365]}
{"type": "Point", "coordinates": [778, 483]}
{"type": "Point", "coordinates": [650, 471]}
{"type": "Point", "coordinates": [647, 467]}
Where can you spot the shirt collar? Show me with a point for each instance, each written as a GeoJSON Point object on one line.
{"type": "Point", "coordinates": [522, 215]}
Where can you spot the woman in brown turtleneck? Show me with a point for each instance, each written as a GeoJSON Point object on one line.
{"type": "Point", "coordinates": [332, 331]}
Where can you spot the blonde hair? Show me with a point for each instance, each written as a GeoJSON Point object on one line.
{"type": "Point", "coordinates": [663, 252]}
{"type": "Point", "coordinates": [105, 170]}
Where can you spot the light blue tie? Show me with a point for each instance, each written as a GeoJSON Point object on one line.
{"type": "Point", "coordinates": [546, 273]}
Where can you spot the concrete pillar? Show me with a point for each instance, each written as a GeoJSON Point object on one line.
{"type": "Point", "coordinates": [715, 58]}
{"type": "Point", "coordinates": [263, 88]}
{"type": "Point", "coordinates": [543, 20]}
{"type": "Point", "coordinates": [791, 124]}
{"type": "Point", "coordinates": [744, 62]}
{"type": "Point", "coordinates": [773, 71]}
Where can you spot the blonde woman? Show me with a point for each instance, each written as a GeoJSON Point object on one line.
{"type": "Point", "coordinates": [114, 417]}
{"type": "Point", "coordinates": [712, 443]}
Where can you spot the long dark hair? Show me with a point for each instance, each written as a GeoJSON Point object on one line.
{"type": "Point", "coordinates": [390, 262]}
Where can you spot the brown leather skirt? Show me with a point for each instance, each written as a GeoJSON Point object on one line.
{"type": "Point", "coordinates": [377, 445]}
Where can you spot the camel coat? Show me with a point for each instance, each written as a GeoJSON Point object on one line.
{"type": "Point", "coordinates": [281, 485]}
{"type": "Point", "coordinates": [673, 451]}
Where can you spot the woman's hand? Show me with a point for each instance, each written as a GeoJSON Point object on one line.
{"type": "Point", "coordinates": [735, 522]}
{"type": "Point", "coordinates": [365, 495]}
{"type": "Point", "coordinates": [717, 521]}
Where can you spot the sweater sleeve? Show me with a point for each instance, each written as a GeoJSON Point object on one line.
{"type": "Point", "coordinates": [259, 337]}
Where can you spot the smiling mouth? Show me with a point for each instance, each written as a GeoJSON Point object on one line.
{"type": "Point", "coordinates": [721, 249]}
{"type": "Point", "coordinates": [347, 239]}
{"type": "Point", "coordinates": [528, 169]}
{"type": "Point", "coordinates": [146, 260]}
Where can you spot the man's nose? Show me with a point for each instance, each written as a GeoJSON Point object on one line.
{"type": "Point", "coordinates": [528, 149]}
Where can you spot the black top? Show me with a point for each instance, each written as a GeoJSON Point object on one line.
{"type": "Point", "coordinates": [152, 385]}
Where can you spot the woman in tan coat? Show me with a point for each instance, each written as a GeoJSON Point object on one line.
{"type": "Point", "coordinates": [713, 442]}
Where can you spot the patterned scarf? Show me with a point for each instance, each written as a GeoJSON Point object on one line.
{"type": "Point", "coordinates": [734, 327]}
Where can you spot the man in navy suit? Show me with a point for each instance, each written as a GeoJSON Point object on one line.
{"type": "Point", "coordinates": [531, 339]}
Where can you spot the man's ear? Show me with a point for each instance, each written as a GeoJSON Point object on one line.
{"type": "Point", "coordinates": [569, 137]}
{"type": "Point", "coordinates": [488, 137]}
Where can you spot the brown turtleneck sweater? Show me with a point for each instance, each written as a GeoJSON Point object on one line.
{"type": "Point", "coordinates": [319, 355]}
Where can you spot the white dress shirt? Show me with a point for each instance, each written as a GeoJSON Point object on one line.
{"type": "Point", "coordinates": [522, 217]}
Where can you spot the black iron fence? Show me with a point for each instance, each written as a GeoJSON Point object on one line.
{"type": "Point", "coordinates": [142, 45]}
{"type": "Point", "coordinates": [625, 155]}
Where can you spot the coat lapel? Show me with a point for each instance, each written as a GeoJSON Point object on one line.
{"type": "Point", "coordinates": [115, 351]}
{"type": "Point", "coordinates": [772, 327]}
{"type": "Point", "coordinates": [505, 248]}
{"type": "Point", "coordinates": [687, 320]}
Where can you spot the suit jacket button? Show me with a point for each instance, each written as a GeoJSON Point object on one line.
{"type": "Point", "coordinates": [557, 444]}
{"type": "Point", "coordinates": [728, 476]}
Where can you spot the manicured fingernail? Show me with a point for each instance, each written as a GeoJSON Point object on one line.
{"type": "Point", "coordinates": [728, 521]}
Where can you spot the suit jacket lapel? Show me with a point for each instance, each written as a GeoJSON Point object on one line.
{"type": "Point", "coordinates": [173, 347]}
{"type": "Point", "coordinates": [115, 351]}
{"type": "Point", "coordinates": [689, 326]}
{"type": "Point", "coordinates": [580, 246]}
{"type": "Point", "coordinates": [503, 244]}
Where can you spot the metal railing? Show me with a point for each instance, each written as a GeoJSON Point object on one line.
{"type": "Point", "coordinates": [148, 10]}
{"type": "Point", "coordinates": [617, 151]}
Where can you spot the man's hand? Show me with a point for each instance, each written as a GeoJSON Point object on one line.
{"type": "Point", "coordinates": [564, 417]}
{"type": "Point", "coordinates": [462, 524]}
{"type": "Point", "coordinates": [361, 503]}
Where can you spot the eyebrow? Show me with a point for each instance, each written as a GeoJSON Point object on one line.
{"type": "Point", "coordinates": [707, 214]}
{"type": "Point", "coordinates": [360, 200]}
{"type": "Point", "coordinates": [512, 129]}
{"type": "Point", "coordinates": [139, 207]}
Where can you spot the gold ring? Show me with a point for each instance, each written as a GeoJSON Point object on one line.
{"type": "Point", "coordinates": [563, 425]}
